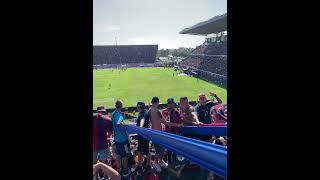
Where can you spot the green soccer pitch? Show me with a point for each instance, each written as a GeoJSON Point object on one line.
{"type": "Point", "coordinates": [141, 84]}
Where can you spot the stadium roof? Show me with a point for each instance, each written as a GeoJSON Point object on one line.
{"type": "Point", "coordinates": [213, 25]}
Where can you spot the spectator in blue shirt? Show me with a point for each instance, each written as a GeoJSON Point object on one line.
{"type": "Point", "coordinates": [202, 110]}
{"type": "Point", "coordinates": [121, 137]}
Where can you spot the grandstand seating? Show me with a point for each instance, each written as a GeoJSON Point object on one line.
{"type": "Point", "coordinates": [193, 62]}
{"type": "Point", "coordinates": [214, 64]}
{"type": "Point", "coordinates": [124, 54]}
{"type": "Point", "coordinates": [210, 61]}
{"type": "Point", "coordinates": [211, 49]}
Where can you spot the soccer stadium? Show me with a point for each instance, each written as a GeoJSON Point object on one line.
{"type": "Point", "coordinates": [161, 121]}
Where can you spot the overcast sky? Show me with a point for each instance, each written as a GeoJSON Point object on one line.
{"type": "Point", "coordinates": [151, 21]}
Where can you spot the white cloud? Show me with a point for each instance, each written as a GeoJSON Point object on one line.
{"type": "Point", "coordinates": [108, 28]}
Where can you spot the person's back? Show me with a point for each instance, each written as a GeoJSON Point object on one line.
{"type": "Point", "coordinates": [100, 128]}
{"type": "Point", "coordinates": [155, 118]}
{"type": "Point", "coordinates": [141, 116]}
{"type": "Point", "coordinates": [119, 131]}
{"type": "Point", "coordinates": [99, 132]}
{"type": "Point", "coordinates": [120, 137]}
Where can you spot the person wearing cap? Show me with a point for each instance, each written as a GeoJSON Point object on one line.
{"type": "Point", "coordinates": [217, 114]}
{"type": "Point", "coordinates": [203, 112]}
{"type": "Point", "coordinates": [120, 137]}
{"type": "Point", "coordinates": [156, 120]}
{"type": "Point", "coordinates": [172, 115]}
{"type": "Point", "coordinates": [143, 144]}
{"type": "Point", "coordinates": [102, 125]}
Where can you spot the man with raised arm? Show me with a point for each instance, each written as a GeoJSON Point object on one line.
{"type": "Point", "coordinates": [202, 110]}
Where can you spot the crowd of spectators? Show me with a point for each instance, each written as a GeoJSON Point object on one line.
{"type": "Point", "coordinates": [214, 78]}
{"type": "Point", "coordinates": [119, 156]}
{"type": "Point", "coordinates": [216, 48]}
{"type": "Point", "coordinates": [124, 54]}
{"type": "Point", "coordinates": [130, 65]}
{"type": "Point", "coordinates": [214, 64]}
{"type": "Point", "coordinates": [209, 60]}
{"type": "Point", "coordinates": [192, 62]}
{"type": "Point", "coordinates": [209, 68]}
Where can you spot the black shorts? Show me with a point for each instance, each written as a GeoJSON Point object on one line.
{"type": "Point", "coordinates": [216, 177]}
{"type": "Point", "coordinates": [123, 149]}
{"type": "Point", "coordinates": [143, 145]}
{"type": "Point", "coordinates": [193, 136]}
{"type": "Point", "coordinates": [159, 150]}
{"type": "Point", "coordinates": [205, 138]}
{"type": "Point", "coordinates": [190, 174]}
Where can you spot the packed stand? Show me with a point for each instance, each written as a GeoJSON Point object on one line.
{"type": "Point", "coordinates": [124, 54]}
{"type": "Point", "coordinates": [114, 66]}
{"type": "Point", "coordinates": [119, 156]}
{"type": "Point", "coordinates": [192, 62]}
{"type": "Point", "coordinates": [211, 49]}
{"type": "Point", "coordinates": [214, 78]}
{"type": "Point", "coordinates": [210, 61]}
{"type": "Point", "coordinates": [214, 64]}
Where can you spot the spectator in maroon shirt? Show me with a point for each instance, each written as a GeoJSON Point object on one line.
{"type": "Point", "coordinates": [172, 115]}
{"type": "Point", "coordinates": [217, 114]}
{"type": "Point", "coordinates": [102, 127]}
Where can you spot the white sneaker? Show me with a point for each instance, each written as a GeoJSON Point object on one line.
{"type": "Point", "coordinates": [164, 164]}
{"type": "Point", "coordinates": [156, 167]}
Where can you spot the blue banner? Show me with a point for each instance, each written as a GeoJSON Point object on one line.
{"type": "Point", "coordinates": [205, 130]}
{"type": "Point", "coordinates": [210, 156]}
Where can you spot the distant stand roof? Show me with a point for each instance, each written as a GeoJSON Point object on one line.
{"type": "Point", "coordinates": [213, 25]}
